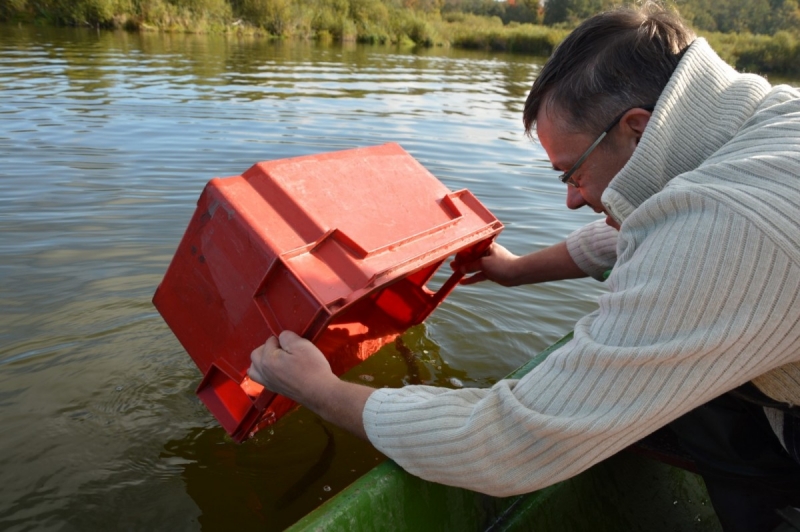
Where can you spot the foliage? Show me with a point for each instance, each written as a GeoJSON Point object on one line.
{"type": "Point", "coordinates": [164, 14]}
{"type": "Point", "coordinates": [752, 35]}
{"type": "Point", "coordinates": [276, 16]}
{"type": "Point", "coordinates": [764, 17]}
{"type": "Point", "coordinates": [778, 54]}
{"type": "Point", "coordinates": [753, 16]}
{"type": "Point", "coordinates": [571, 12]}
{"type": "Point", "coordinates": [523, 11]}
{"type": "Point", "coordinates": [88, 12]}
{"type": "Point", "coordinates": [472, 31]}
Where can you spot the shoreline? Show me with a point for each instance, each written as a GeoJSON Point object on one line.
{"type": "Point", "coordinates": [777, 54]}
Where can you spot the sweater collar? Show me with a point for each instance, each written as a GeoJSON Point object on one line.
{"type": "Point", "coordinates": [703, 105]}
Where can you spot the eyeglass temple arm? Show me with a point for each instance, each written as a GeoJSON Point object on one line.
{"type": "Point", "coordinates": [591, 148]}
{"type": "Point", "coordinates": [604, 133]}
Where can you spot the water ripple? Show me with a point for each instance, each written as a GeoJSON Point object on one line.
{"type": "Point", "coordinates": [106, 140]}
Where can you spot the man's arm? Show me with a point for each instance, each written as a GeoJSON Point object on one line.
{"type": "Point", "coordinates": [588, 251]}
{"type": "Point", "coordinates": [702, 303]}
{"type": "Point", "coordinates": [293, 367]}
{"type": "Point", "coordinates": [503, 267]}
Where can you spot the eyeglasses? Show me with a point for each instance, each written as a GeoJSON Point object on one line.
{"type": "Point", "coordinates": [566, 177]}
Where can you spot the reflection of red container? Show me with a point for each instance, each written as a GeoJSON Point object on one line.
{"type": "Point", "coordinates": [336, 247]}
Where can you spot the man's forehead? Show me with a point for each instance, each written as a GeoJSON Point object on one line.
{"type": "Point", "coordinates": [552, 121]}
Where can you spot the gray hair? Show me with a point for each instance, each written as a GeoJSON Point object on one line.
{"type": "Point", "coordinates": [612, 62]}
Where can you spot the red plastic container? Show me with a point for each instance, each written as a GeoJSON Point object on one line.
{"type": "Point", "coordinates": [337, 247]}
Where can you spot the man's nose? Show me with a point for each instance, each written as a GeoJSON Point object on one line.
{"type": "Point", "coordinates": [574, 198]}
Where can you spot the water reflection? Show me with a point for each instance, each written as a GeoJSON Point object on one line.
{"type": "Point", "coordinates": [199, 67]}
{"type": "Point", "coordinates": [301, 461]}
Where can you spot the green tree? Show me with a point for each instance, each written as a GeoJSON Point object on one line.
{"type": "Point", "coordinates": [765, 17]}
{"type": "Point", "coordinates": [525, 11]}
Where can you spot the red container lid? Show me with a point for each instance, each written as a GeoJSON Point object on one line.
{"type": "Point", "coordinates": [337, 247]}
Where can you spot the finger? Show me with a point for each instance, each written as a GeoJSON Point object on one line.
{"type": "Point", "coordinates": [254, 374]}
{"type": "Point", "coordinates": [288, 339]}
{"type": "Point", "coordinates": [259, 353]}
{"type": "Point", "coordinates": [254, 371]}
{"type": "Point", "coordinates": [261, 358]}
{"type": "Point", "coordinates": [470, 267]}
{"type": "Point", "coordinates": [477, 278]}
{"type": "Point", "coordinates": [271, 344]}
{"type": "Point", "coordinates": [268, 347]}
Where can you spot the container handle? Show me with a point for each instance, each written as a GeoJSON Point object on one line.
{"type": "Point", "coordinates": [446, 288]}
{"type": "Point", "coordinates": [470, 254]}
{"type": "Point", "coordinates": [235, 400]}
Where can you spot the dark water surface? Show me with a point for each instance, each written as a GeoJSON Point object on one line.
{"type": "Point", "coordinates": [106, 141]}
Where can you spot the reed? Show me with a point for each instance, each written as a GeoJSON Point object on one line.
{"type": "Point", "coordinates": [472, 31]}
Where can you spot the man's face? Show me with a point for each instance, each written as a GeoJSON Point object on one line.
{"type": "Point", "coordinates": [564, 148]}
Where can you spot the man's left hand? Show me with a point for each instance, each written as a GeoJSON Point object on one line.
{"type": "Point", "coordinates": [291, 366]}
{"type": "Point", "coordinates": [294, 367]}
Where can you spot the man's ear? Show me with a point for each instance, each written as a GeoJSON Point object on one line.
{"type": "Point", "coordinates": [633, 123]}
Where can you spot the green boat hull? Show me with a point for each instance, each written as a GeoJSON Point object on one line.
{"type": "Point", "coordinates": [626, 492]}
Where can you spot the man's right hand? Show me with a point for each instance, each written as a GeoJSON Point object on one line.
{"type": "Point", "coordinates": [497, 265]}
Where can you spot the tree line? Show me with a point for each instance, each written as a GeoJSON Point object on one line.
{"type": "Point", "coordinates": [761, 17]}
{"type": "Point", "coordinates": [753, 35]}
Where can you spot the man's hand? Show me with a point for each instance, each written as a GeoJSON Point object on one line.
{"type": "Point", "coordinates": [294, 367]}
{"type": "Point", "coordinates": [291, 366]}
{"type": "Point", "coordinates": [497, 265]}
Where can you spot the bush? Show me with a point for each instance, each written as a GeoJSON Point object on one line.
{"type": "Point", "coordinates": [767, 55]}
{"type": "Point", "coordinates": [218, 10]}
{"type": "Point", "coordinates": [80, 13]}
{"type": "Point", "coordinates": [275, 16]}
{"type": "Point", "coordinates": [491, 34]}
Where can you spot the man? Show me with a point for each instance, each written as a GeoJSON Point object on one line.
{"type": "Point", "coordinates": [697, 170]}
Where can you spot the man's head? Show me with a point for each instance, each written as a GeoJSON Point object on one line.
{"type": "Point", "coordinates": [612, 65]}
{"type": "Point", "coordinates": [611, 62]}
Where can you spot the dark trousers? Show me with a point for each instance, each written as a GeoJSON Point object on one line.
{"type": "Point", "coordinates": [748, 473]}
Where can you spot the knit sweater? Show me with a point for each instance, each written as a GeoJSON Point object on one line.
{"type": "Point", "coordinates": [703, 297]}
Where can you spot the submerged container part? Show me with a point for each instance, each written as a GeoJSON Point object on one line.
{"type": "Point", "coordinates": [336, 247]}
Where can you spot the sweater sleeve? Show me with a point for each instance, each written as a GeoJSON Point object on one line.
{"type": "Point", "coordinates": [593, 247]}
{"type": "Point", "coordinates": [700, 302]}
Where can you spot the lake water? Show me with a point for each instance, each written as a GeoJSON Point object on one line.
{"type": "Point", "coordinates": [106, 141]}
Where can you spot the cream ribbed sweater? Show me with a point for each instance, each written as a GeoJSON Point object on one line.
{"type": "Point", "coordinates": [704, 296]}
